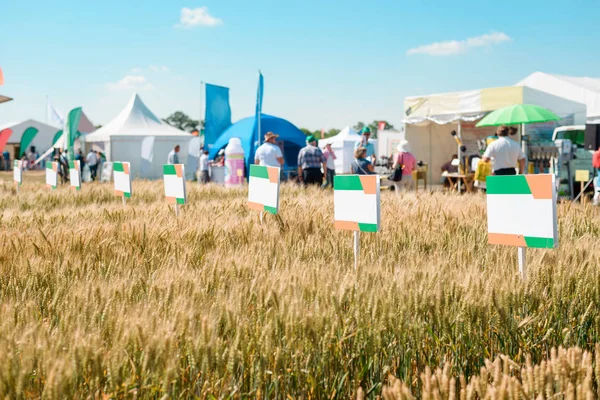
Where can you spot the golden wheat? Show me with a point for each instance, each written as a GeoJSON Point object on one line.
{"type": "Point", "coordinates": [98, 299]}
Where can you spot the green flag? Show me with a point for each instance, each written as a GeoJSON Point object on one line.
{"type": "Point", "coordinates": [26, 139]}
{"type": "Point", "coordinates": [71, 125]}
{"type": "Point", "coordinates": [56, 137]}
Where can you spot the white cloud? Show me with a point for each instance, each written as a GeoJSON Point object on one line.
{"type": "Point", "coordinates": [129, 82]}
{"type": "Point", "coordinates": [452, 47]}
{"type": "Point", "coordinates": [157, 68]}
{"type": "Point", "coordinates": [197, 17]}
{"type": "Point", "coordinates": [136, 70]}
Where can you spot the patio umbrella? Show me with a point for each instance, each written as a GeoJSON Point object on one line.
{"type": "Point", "coordinates": [518, 114]}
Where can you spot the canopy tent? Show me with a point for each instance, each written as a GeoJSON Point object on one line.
{"type": "Point", "coordinates": [580, 89]}
{"type": "Point", "coordinates": [430, 120]}
{"type": "Point", "coordinates": [121, 139]}
{"type": "Point", "coordinates": [342, 145]}
{"type": "Point", "coordinates": [4, 99]}
{"type": "Point", "coordinates": [291, 139]}
{"type": "Point", "coordinates": [42, 140]}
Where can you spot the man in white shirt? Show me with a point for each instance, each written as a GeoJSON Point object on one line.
{"type": "Point", "coordinates": [505, 153]}
{"type": "Point", "coordinates": [269, 154]}
{"type": "Point", "coordinates": [92, 162]}
{"type": "Point", "coordinates": [204, 176]}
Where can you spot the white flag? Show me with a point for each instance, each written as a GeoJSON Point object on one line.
{"type": "Point", "coordinates": [54, 117]}
{"type": "Point", "coordinates": [148, 148]}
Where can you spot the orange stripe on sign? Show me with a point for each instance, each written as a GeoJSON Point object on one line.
{"type": "Point", "coordinates": [507, 239]}
{"type": "Point", "coordinates": [126, 168]}
{"type": "Point", "coordinates": [54, 166]}
{"type": "Point", "coordinates": [171, 200]}
{"type": "Point", "coordinates": [119, 193]}
{"type": "Point", "coordinates": [273, 174]}
{"type": "Point", "coordinates": [346, 225]}
{"type": "Point", "coordinates": [178, 170]}
{"type": "Point", "coordinates": [540, 186]}
{"type": "Point", "coordinates": [369, 183]}
{"type": "Point", "coordinates": [255, 206]}
{"type": "Point", "coordinates": [48, 186]}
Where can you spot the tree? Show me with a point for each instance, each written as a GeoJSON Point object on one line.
{"type": "Point", "coordinates": [332, 132]}
{"type": "Point", "coordinates": [306, 131]}
{"type": "Point", "coordinates": [181, 121]}
{"type": "Point", "coordinates": [358, 127]}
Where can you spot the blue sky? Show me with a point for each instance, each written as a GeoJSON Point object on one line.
{"type": "Point", "coordinates": [326, 64]}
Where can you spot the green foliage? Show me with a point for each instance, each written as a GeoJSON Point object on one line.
{"type": "Point", "coordinates": [181, 121]}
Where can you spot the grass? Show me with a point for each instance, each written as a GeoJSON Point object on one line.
{"type": "Point", "coordinates": [97, 299]}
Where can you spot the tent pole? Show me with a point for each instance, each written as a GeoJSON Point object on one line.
{"type": "Point", "coordinates": [202, 107]}
{"type": "Point", "coordinates": [524, 148]}
{"type": "Point", "coordinates": [459, 155]}
{"type": "Point", "coordinates": [259, 110]}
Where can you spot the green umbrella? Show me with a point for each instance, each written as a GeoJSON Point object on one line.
{"type": "Point", "coordinates": [518, 114]}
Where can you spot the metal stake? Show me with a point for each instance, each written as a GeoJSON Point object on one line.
{"type": "Point", "coordinates": [356, 248]}
{"type": "Point", "coordinates": [522, 262]}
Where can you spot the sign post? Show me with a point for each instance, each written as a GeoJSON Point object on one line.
{"type": "Point", "coordinates": [263, 189]}
{"type": "Point", "coordinates": [582, 176]}
{"type": "Point", "coordinates": [75, 175]}
{"type": "Point", "coordinates": [522, 213]}
{"type": "Point", "coordinates": [51, 174]}
{"type": "Point", "coordinates": [122, 180]}
{"type": "Point", "coordinates": [356, 204]}
{"type": "Point", "coordinates": [17, 173]}
{"type": "Point", "coordinates": [174, 178]}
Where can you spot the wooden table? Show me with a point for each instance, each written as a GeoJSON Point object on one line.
{"type": "Point", "coordinates": [467, 180]}
{"type": "Point", "coordinates": [420, 173]}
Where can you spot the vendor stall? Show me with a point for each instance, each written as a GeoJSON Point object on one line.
{"type": "Point", "coordinates": [430, 120]}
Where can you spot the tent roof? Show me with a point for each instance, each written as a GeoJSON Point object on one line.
{"type": "Point", "coordinates": [473, 105]}
{"type": "Point", "coordinates": [135, 120]}
{"type": "Point", "coordinates": [4, 99]}
{"type": "Point", "coordinates": [245, 129]}
{"type": "Point", "coordinates": [580, 89]}
{"type": "Point", "coordinates": [19, 127]}
{"type": "Point", "coordinates": [346, 135]}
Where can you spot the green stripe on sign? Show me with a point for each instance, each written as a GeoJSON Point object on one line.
{"type": "Point", "coordinates": [349, 182]}
{"type": "Point", "coordinates": [259, 171]}
{"type": "Point", "coordinates": [366, 227]}
{"type": "Point", "coordinates": [271, 210]}
{"type": "Point", "coordinates": [169, 169]}
{"type": "Point", "coordinates": [180, 201]}
{"type": "Point", "coordinates": [48, 164]}
{"type": "Point", "coordinates": [540, 243]}
{"type": "Point", "coordinates": [71, 164]}
{"type": "Point", "coordinates": [128, 195]}
{"type": "Point", "coordinates": [118, 167]}
{"type": "Point", "coordinates": [516, 184]}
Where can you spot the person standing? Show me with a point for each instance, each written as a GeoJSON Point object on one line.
{"type": "Point", "coordinates": [405, 159]}
{"type": "Point", "coordinates": [505, 153]}
{"type": "Point", "coordinates": [310, 161]}
{"type": "Point", "coordinates": [204, 176]}
{"type": "Point", "coordinates": [174, 155]}
{"type": "Point", "coordinates": [330, 172]}
{"type": "Point", "coordinates": [364, 142]}
{"type": "Point", "coordinates": [6, 159]}
{"type": "Point", "coordinates": [92, 162]}
{"type": "Point", "coordinates": [360, 165]}
{"type": "Point", "coordinates": [269, 154]}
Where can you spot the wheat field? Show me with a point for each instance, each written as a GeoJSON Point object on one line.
{"type": "Point", "coordinates": [98, 299]}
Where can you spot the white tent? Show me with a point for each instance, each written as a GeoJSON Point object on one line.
{"type": "Point", "coordinates": [121, 139]}
{"type": "Point", "coordinates": [343, 146]}
{"type": "Point", "coordinates": [388, 141]}
{"type": "Point", "coordinates": [42, 140]}
{"type": "Point", "coordinates": [580, 89]}
{"type": "Point", "coordinates": [429, 120]}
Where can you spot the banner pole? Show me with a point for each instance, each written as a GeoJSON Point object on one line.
{"type": "Point", "coordinates": [460, 156]}
{"type": "Point", "coordinates": [522, 263]}
{"type": "Point", "coordinates": [356, 248]}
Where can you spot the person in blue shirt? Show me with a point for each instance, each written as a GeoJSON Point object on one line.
{"type": "Point", "coordinates": [364, 142]}
{"type": "Point", "coordinates": [6, 157]}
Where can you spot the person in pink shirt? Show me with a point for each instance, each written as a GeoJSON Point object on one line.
{"type": "Point", "coordinates": [408, 162]}
{"type": "Point", "coordinates": [330, 173]}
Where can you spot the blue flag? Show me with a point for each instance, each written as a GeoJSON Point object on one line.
{"type": "Point", "coordinates": [217, 116]}
{"type": "Point", "coordinates": [258, 112]}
